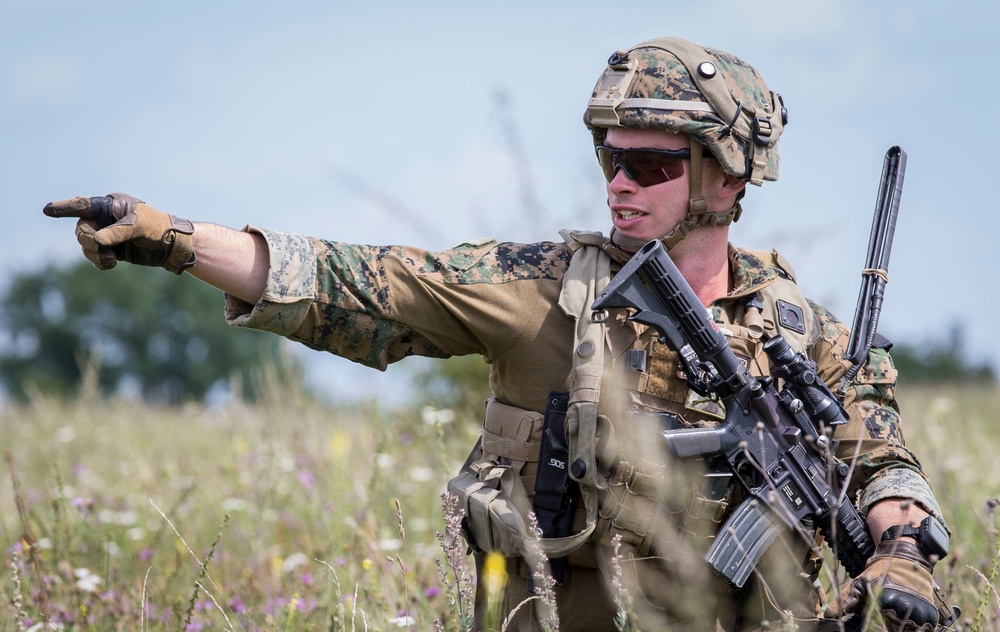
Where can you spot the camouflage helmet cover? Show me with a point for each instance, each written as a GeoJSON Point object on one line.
{"type": "Point", "coordinates": [710, 95]}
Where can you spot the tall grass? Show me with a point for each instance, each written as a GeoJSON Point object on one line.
{"type": "Point", "coordinates": [291, 515]}
{"type": "Point", "coordinates": [280, 516]}
{"type": "Point", "coordinates": [956, 433]}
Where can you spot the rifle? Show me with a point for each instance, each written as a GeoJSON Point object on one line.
{"type": "Point", "coordinates": [876, 273]}
{"type": "Point", "coordinates": [777, 444]}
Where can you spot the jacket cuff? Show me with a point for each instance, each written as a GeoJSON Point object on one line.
{"type": "Point", "coordinates": [901, 483]}
{"type": "Point", "coordinates": [290, 288]}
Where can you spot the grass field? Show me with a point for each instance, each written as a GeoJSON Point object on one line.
{"type": "Point", "coordinates": [289, 515]}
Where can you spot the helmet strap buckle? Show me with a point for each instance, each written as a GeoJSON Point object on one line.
{"type": "Point", "coordinates": [761, 130]}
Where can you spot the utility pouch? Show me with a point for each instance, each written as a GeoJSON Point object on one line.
{"type": "Point", "coordinates": [554, 489]}
{"type": "Point", "coordinates": [491, 522]}
{"type": "Point", "coordinates": [496, 479]}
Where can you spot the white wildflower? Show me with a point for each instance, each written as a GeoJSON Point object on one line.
{"type": "Point", "coordinates": [85, 580]}
{"type": "Point", "coordinates": [434, 416]}
{"type": "Point", "coordinates": [421, 474]}
{"type": "Point", "coordinates": [294, 561]}
{"type": "Point", "coordinates": [135, 533]}
{"type": "Point", "coordinates": [403, 621]}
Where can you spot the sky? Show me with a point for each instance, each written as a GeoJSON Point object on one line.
{"type": "Point", "coordinates": [434, 123]}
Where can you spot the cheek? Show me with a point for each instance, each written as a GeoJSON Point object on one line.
{"type": "Point", "coordinates": [713, 178]}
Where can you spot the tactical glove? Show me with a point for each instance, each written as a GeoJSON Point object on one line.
{"type": "Point", "coordinates": [899, 576]}
{"type": "Point", "coordinates": [118, 227]}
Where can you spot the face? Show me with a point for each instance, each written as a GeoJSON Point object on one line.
{"type": "Point", "coordinates": [651, 212]}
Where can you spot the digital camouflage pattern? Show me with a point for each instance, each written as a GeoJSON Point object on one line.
{"type": "Point", "coordinates": [736, 95]}
{"type": "Point", "coordinates": [750, 273]}
{"type": "Point", "coordinates": [378, 305]}
{"type": "Point", "coordinates": [889, 470]}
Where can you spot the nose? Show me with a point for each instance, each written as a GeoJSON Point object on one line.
{"type": "Point", "coordinates": [621, 183]}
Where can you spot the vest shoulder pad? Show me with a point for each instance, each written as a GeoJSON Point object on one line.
{"type": "Point", "coordinates": [776, 261]}
{"type": "Point", "coordinates": [576, 239]}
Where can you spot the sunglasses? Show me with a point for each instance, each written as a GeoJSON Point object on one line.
{"type": "Point", "coordinates": [645, 167]}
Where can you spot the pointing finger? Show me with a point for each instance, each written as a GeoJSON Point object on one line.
{"type": "Point", "coordinates": [95, 208]}
{"type": "Point", "coordinates": [75, 207]}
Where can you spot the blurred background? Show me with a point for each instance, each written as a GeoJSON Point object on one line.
{"type": "Point", "coordinates": [379, 122]}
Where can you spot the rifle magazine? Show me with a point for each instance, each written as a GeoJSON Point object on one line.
{"type": "Point", "coordinates": [741, 542]}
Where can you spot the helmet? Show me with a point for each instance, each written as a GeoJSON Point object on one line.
{"type": "Point", "coordinates": [707, 94]}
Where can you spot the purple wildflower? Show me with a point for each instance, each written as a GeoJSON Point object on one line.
{"type": "Point", "coordinates": [307, 479]}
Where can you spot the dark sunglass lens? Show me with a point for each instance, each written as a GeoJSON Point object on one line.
{"type": "Point", "coordinates": [651, 168]}
{"type": "Point", "coordinates": [647, 167]}
{"type": "Point", "coordinates": [607, 161]}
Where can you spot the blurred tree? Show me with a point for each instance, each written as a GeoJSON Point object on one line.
{"type": "Point", "coordinates": [140, 329]}
{"type": "Point", "coordinates": [460, 383]}
{"type": "Point", "coordinates": [940, 361]}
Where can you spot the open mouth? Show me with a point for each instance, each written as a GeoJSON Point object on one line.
{"type": "Point", "coordinates": [627, 215]}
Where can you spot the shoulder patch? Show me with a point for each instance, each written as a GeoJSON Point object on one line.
{"type": "Point", "coordinates": [787, 312]}
{"type": "Point", "coordinates": [791, 316]}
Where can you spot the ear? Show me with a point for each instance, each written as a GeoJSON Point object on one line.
{"type": "Point", "coordinates": [731, 185]}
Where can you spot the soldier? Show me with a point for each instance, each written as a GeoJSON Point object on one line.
{"type": "Point", "coordinates": [679, 131]}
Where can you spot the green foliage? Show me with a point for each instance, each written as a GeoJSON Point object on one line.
{"type": "Point", "coordinates": [938, 362]}
{"type": "Point", "coordinates": [161, 335]}
{"type": "Point", "coordinates": [115, 521]}
{"type": "Point", "coordinates": [461, 383]}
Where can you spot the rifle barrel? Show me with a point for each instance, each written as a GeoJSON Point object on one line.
{"type": "Point", "coordinates": [875, 275]}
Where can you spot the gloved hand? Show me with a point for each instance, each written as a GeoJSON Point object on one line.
{"type": "Point", "coordinates": [118, 227]}
{"type": "Point", "coordinates": [899, 576]}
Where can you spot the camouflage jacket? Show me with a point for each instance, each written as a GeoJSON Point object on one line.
{"type": "Point", "coordinates": [379, 304]}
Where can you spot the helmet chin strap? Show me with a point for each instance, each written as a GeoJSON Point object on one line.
{"type": "Point", "coordinates": [697, 215]}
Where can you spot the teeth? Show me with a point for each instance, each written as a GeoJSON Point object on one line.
{"type": "Point", "coordinates": [628, 214]}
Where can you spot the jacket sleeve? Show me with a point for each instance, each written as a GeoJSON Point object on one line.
{"type": "Point", "coordinates": [379, 304]}
{"type": "Point", "coordinates": [872, 441]}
